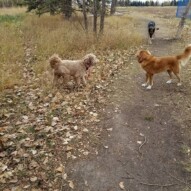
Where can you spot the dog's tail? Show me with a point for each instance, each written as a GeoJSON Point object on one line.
{"type": "Point", "coordinates": [185, 56]}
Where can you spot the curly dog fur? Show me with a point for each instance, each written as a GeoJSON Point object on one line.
{"type": "Point", "coordinates": [78, 69]}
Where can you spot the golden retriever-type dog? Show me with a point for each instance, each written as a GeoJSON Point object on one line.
{"type": "Point", "coordinates": [153, 65]}
{"type": "Point", "coordinates": [78, 69]}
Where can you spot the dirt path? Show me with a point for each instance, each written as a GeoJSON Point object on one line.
{"type": "Point", "coordinates": [144, 131]}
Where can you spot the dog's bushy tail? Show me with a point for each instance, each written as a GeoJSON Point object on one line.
{"type": "Point", "coordinates": [185, 56]}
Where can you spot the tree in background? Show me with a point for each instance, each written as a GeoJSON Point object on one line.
{"type": "Point", "coordinates": [102, 18]}
{"type": "Point", "coordinates": [182, 21]}
{"type": "Point", "coordinates": [10, 3]}
{"type": "Point", "coordinates": [50, 6]}
{"type": "Point", "coordinates": [84, 8]}
{"type": "Point", "coordinates": [113, 7]}
{"type": "Point", "coordinates": [125, 3]}
{"type": "Point", "coordinates": [95, 14]}
{"type": "Point", "coordinates": [96, 7]}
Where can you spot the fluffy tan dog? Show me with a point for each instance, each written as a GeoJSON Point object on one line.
{"type": "Point", "coordinates": [153, 65]}
{"type": "Point", "coordinates": [78, 69]}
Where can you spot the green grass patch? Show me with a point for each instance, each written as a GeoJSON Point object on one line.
{"type": "Point", "coordinates": [149, 118]}
{"type": "Point", "coordinates": [11, 18]}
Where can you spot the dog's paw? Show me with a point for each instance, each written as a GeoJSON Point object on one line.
{"type": "Point", "coordinates": [169, 82]}
{"type": "Point", "coordinates": [149, 87]}
{"type": "Point", "coordinates": [144, 85]}
{"type": "Point", "coordinates": [179, 84]}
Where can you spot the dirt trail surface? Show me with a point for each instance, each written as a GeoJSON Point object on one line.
{"type": "Point", "coordinates": [143, 131]}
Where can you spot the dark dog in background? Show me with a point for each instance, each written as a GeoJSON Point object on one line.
{"type": "Point", "coordinates": [151, 30]}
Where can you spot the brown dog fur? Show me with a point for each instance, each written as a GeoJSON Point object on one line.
{"type": "Point", "coordinates": [153, 65]}
{"type": "Point", "coordinates": [78, 69]}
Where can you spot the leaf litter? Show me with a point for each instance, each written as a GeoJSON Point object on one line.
{"type": "Point", "coordinates": [42, 129]}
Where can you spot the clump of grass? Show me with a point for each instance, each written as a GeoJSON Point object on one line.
{"type": "Point", "coordinates": [11, 18]}
{"type": "Point", "coordinates": [149, 118]}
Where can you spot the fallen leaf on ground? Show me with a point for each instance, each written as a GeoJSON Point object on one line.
{"type": "Point", "coordinates": [121, 185]}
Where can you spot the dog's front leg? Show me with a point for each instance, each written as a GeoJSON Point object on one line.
{"type": "Point", "coordinates": [84, 80]}
{"type": "Point", "coordinates": [150, 76]}
{"type": "Point", "coordinates": [55, 80]}
{"type": "Point", "coordinates": [147, 80]}
{"type": "Point", "coordinates": [149, 37]}
{"type": "Point", "coordinates": [77, 81]}
{"type": "Point", "coordinates": [149, 41]}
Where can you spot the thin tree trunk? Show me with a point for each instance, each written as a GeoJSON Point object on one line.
{"type": "Point", "coordinates": [102, 17]}
{"type": "Point", "coordinates": [95, 16]}
{"type": "Point", "coordinates": [182, 21]}
{"type": "Point", "coordinates": [113, 7]}
{"type": "Point", "coordinates": [67, 8]}
{"type": "Point", "coordinates": [85, 16]}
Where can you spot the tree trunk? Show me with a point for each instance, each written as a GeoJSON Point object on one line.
{"type": "Point", "coordinates": [95, 3]}
{"type": "Point", "coordinates": [113, 7]}
{"type": "Point", "coordinates": [182, 21]}
{"type": "Point", "coordinates": [85, 16]}
{"type": "Point", "coordinates": [102, 16]}
{"type": "Point", "coordinates": [67, 8]}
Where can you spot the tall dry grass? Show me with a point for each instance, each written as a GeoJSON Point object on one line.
{"type": "Point", "coordinates": [68, 39]}
{"type": "Point", "coordinates": [12, 10]}
{"type": "Point", "coordinates": [11, 48]}
{"type": "Point", "coordinates": [52, 34]}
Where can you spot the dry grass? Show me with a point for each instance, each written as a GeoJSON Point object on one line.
{"type": "Point", "coordinates": [68, 39]}
{"type": "Point", "coordinates": [11, 56]}
{"type": "Point", "coordinates": [11, 43]}
{"type": "Point", "coordinates": [52, 34]}
{"type": "Point", "coordinates": [12, 10]}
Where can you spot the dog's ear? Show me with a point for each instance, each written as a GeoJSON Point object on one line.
{"type": "Point", "coordinates": [88, 60]}
{"type": "Point", "coordinates": [54, 61]}
{"type": "Point", "coordinates": [143, 55]}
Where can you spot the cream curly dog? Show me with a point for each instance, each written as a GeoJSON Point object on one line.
{"type": "Point", "coordinates": [78, 69]}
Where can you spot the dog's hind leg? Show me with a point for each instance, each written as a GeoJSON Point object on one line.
{"type": "Point", "coordinates": [179, 81]}
{"type": "Point", "coordinates": [176, 72]}
{"type": "Point", "coordinates": [170, 74]}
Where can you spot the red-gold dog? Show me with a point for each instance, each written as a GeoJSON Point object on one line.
{"type": "Point", "coordinates": [153, 65]}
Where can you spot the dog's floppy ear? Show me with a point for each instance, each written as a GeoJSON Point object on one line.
{"type": "Point", "coordinates": [90, 60]}
{"type": "Point", "coordinates": [54, 61]}
{"type": "Point", "coordinates": [87, 61]}
{"type": "Point", "coordinates": [143, 55]}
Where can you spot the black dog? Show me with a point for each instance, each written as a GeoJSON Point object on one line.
{"type": "Point", "coordinates": [151, 30]}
